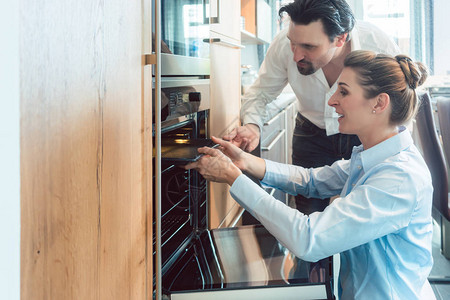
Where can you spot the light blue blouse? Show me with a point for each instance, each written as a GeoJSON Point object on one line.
{"type": "Point", "coordinates": [381, 224]}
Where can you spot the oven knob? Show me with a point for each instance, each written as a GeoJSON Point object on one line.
{"type": "Point", "coordinates": [195, 97]}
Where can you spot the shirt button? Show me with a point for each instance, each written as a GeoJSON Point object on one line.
{"type": "Point", "coordinates": [353, 184]}
{"type": "Point", "coordinates": [359, 167]}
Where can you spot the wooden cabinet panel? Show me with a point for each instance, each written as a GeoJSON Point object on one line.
{"type": "Point", "coordinates": [83, 179]}
{"type": "Point", "coordinates": [122, 209]}
{"type": "Point", "coordinates": [248, 11]}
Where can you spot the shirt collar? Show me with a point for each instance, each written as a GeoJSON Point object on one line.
{"type": "Point", "coordinates": [385, 149]}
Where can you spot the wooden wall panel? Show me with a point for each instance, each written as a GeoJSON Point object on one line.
{"type": "Point", "coordinates": [122, 210]}
{"type": "Point", "coordinates": [84, 207]}
{"type": "Point", "coordinates": [248, 11]}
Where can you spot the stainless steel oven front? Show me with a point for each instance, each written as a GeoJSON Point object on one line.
{"type": "Point", "coordinates": [183, 96]}
{"type": "Point", "coordinates": [184, 29]}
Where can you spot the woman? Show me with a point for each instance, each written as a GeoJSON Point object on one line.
{"type": "Point", "coordinates": [381, 223]}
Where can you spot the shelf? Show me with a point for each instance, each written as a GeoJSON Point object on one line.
{"type": "Point", "coordinates": [248, 38]}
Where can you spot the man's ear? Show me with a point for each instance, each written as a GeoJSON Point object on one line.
{"type": "Point", "coordinates": [341, 39]}
{"type": "Point", "coordinates": [382, 103]}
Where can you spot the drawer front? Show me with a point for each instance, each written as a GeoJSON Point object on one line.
{"type": "Point", "coordinates": [274, 147]}
{"type": "Point", "coordinates": [273, 126]}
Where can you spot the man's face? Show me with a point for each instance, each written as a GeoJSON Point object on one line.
{"type": "Point", "coordinates": [311, 46]}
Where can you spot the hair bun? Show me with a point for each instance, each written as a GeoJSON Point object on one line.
{"type": "Point", "coordinates": [415, 72]}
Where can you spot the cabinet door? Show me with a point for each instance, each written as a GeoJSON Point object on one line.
{"type": "Point", "coordinates": [228, 21]}
{"type": "Point", "coordinates": [84, 207]}
{"type": "Point", "coordinates": [224, 117]}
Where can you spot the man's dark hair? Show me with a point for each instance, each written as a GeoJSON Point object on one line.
{"type": "Point", "coordinates": [336, 16]}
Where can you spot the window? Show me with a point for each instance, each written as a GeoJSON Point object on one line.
{"type": "Point", "coordinates": [408, 22]}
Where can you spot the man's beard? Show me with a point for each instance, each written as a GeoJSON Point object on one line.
{"type": "Point", "coordinates": [308, 69]}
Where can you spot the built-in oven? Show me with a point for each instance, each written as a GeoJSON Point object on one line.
{"type": "Point", "coordinates": [190, 261]}
{"type": "Point", "coordinates": [244, 262]}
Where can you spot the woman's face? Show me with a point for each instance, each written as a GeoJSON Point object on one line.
{"type": "Point", "coordinates": [355, 111]}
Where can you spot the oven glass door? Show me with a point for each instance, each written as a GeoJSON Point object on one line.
{"type": "Point", "coordinates": [185, 24]}
{"type": "Point", "coordinates": [246, 262]}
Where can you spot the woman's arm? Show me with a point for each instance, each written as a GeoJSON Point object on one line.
{"type": "Point", "coordinates": [381, 205]}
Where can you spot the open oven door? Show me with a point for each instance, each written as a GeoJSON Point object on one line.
{"type": "Point", "coordinates": [245, 262]}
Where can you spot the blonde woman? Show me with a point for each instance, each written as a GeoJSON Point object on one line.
{"type": "Point", "coordinates": [381, 224]}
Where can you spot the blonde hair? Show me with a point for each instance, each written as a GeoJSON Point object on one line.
{"type": "Point", "coordinates": [396, 76]}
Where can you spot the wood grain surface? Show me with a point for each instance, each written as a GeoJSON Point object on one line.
{"type": "Point", "coordinates": [84, 151]}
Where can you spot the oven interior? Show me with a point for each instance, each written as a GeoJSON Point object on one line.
{"type": "Point", "coordinates": [183, 192]}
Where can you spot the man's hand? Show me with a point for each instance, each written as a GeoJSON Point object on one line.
{"type": "Point", "coordinates": [237, 155]}
{"type": "Point", "coordinates": [215, 166]}
{"type": "Point", "coordinates": [245, 137]}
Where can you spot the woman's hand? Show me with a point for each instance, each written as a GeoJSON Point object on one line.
{"type": "Point", "coordinates": [215, 166]}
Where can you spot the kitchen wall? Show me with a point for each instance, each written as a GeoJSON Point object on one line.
{"type": "Point", "coordinates": [9, 152]}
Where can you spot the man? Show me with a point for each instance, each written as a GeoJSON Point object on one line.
{"type": "Point", "coordinates": [309, 55]}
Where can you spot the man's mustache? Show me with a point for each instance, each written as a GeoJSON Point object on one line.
{"type": "Point", "coordinates": [303, 61]}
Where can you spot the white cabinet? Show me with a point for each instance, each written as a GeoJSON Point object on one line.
{"type": "Point", "coordinates": [274, 145]}
{"type": "Point", "coordinates": [263, 24]}
{"type": "Point", "coordinates": [225, 100]}
{"type": "Point", "coordinates": [276, 135]}
{"type": "Point", "coordinates": [228, 20]}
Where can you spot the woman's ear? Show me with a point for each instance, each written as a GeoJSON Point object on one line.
{"type": "Point", "coordinates": [382, 102]}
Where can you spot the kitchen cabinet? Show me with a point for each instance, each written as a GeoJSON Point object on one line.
{"type": "Point", "coordinates": [228, 21]}
{"type": "Point", "coordinates": [276, 135]}
{"type": "Point", "coordinates": [225, 103]}
{"type": "Point", "coordinates": [85, 100]}
{"type": "Point", "coordinates": [256, 16]}
{"type": "Point", "coordinates": [248, 13]}
{"type": "Point", "coordinates": [274, 145]}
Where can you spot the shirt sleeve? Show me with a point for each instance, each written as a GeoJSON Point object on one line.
{"type": "Point", "coordinates": [323, 182]}
{"type": "Point", "coordinates": [374, 39]}
{"type": "Point", "coordinates": [272, 78]}
{"type": "Point", "coordinates": [383, 204]}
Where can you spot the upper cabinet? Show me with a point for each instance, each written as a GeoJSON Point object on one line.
{"type": "Point", "coordinates": [256, 25]}
{"type": "Point", "coordinates": [223, 20]}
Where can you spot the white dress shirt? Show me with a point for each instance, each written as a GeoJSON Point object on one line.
{"type": "Point", "coordinates": [312, 91]}
{"type": "Point", "coordinates": [381, 224]}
